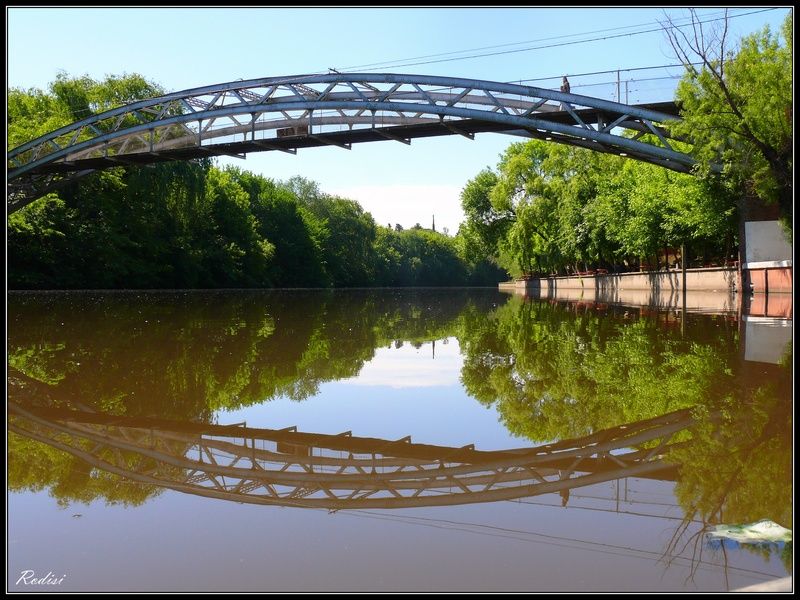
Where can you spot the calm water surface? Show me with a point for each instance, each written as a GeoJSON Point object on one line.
{"type": "Point", "coordinates": [390, 440]}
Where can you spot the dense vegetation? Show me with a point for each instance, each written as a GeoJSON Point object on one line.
{"type": "Point", "coordinates": [552, 208]}
{"type": "Point", "coordinates": [193, 225]}
{"type": "Point", "coordinates": [737, 110]}
{"type": "Point", "coordinates": [549, 208]}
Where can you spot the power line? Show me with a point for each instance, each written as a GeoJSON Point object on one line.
{"type": "Point", "coordinates": [608, 72]}
{"type": "Point", "coordinates": [391, 64]}
{"type": "Point", "coordinates": [547, 39]}
{"type": "Point", "coordinates": [557, 45]}
{"type": "Point", "coordinates": [529, 536]}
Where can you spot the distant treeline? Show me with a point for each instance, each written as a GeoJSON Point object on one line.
{"type": "Point", "coordinates": [194, 225]}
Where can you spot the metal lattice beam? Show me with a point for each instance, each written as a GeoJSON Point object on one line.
{"type": "Point", "coordinates": [287, 113]}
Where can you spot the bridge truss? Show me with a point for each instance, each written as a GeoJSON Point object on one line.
{"type": "Point", "coordinates": [336, 109]}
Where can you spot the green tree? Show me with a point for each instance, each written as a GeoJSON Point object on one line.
{"type": "Point", "coordinates": [566, 207]}
{"type": "Point", "coordinates": [236, 254]}
{"type": "Point", "coordinates": [348, 245]}
{"type": "Point", "coordinates": [293, 230]}
{"type": "Point", "coordinates": [523, 189]}
{"type": "Point", "coordinates": [112, 229]}
{"type": "Point", "coordinates": [737, 107]}
{"type": "Point", "coordinates": [418, 257]}
{"type": "Point", "coordinates": [32, 113]}
{"type": "Point", "coordinates": [484, 224]}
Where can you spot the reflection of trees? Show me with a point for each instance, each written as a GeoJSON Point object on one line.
{"type": "Point", "coordinates": [186, 356]}
{"type": "Point", "coordinates": [743, 446]}
{"type": "Point", "coordinates": [34, 466]}
{"type": "Point", "coordinates": [553, 371]}
{"type": "Point", "coordinates": [557, 370]}
{"type": "Point", "coordinates": [189, 355]}
{"type": "Point", "coordinates": [562, 370]}
{"type": "Point", "coordinates": [738, 468]}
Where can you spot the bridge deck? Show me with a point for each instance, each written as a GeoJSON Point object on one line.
{"type": "Point", "coordinates": [343, 138]}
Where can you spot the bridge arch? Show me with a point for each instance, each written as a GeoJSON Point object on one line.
{"type": "Point", "coordinates": [339, 109]}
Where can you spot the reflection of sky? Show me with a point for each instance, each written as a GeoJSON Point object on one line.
{"type": "Point", "coordinates": [183, 542]}
{"type": "Point", "coordinates": [402, 391]}
{"type": "Point", "coordinates": [610, 537]}
{"type": "Point", "coordinates": [407, 366]}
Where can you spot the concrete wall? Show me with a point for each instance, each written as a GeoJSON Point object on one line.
{"type": "Point", "coordinates": [766, 241]}
{"type": "Point", "coordinates": [696, 301]}
{"type": "Point", "coordinates": [765, 277]}
{"type": "Point", "coordinates": [716, 279]}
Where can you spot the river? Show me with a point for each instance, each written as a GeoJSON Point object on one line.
{"type": "Point", "coordinates": [389, 440]}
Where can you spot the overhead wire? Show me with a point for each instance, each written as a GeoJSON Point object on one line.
{"type": "Point", "coordinates": [399, 63]}
{"type": "Point", "coordinates": [529, 536]}
{"type": "Point", "coordinates": [556, 37]}
{"type": "Point", "coordinates": [606, 72]}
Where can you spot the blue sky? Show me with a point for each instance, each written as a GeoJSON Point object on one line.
{"type": "Point", "coordinates": [184, 48]}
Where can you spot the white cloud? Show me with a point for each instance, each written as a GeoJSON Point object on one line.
{"type": "Point", "coordinates": [408, 204]}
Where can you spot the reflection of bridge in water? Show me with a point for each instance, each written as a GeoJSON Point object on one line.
{"type": "Point", "coordinates": [291, 468]}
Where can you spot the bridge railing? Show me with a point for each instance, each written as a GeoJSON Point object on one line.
{"type": "Point", "coordinates": [641, 85]}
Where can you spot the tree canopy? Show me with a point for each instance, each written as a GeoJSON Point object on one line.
{"type": "Point", "coordinates": [552, 208]}
{"type": "Point", "coordinates": [194, 225]}
{"type": "Point", "coordinates": [737, 107]}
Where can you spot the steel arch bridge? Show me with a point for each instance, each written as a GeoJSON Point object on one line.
{"type": "Point", "coordinates": [338, 109]}
{"type": "Point", "coordinates": [290, 468]}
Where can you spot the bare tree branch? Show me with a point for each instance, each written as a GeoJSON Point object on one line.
{"type": "Point", "coordinates": [722, 44]}
{"type": "Point", "coordinates": [698, 27]}
{"type": "Point", "coordinates": [715, 66]}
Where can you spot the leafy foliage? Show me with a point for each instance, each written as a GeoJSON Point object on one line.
{"type": "Point", "coordinates": [554, 208]}
{"type": "Point", "coordinates": [190, 224]}
{"type": "Point", "coordinates": [737, 108]}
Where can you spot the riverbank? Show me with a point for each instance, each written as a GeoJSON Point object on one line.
{"type": "Point", "coordinates": [711, 289]}
{"type": "Point", "coordinates": [768, 277]}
